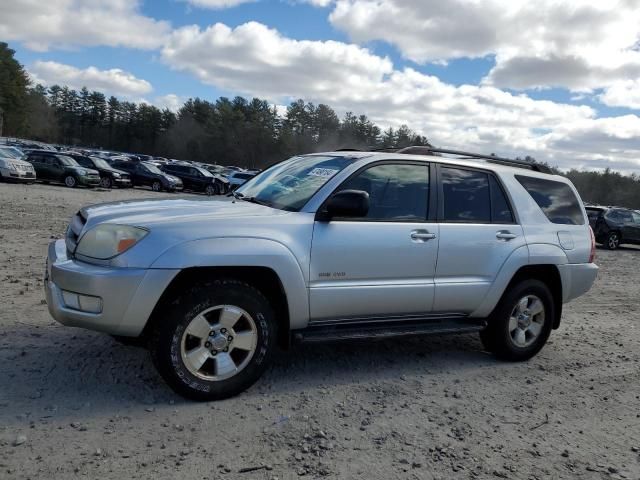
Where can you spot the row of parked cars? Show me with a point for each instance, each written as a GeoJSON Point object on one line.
{"type": "Point", "coordinates": [112, 169]}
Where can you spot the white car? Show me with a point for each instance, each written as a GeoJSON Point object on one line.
{"type": "Point", "coordinates": [13, 168]}
{"type": "Point", "coordinates": [325, 247]}
{"type": "Point", "coordinates": [238, 178]}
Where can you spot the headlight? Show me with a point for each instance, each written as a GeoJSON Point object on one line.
{"type": "Point", "coordinates": [12, 166]}
{"type": "Point", "coordinates": [116, 175]}
{"type": "Point", "coordinates": [109, 240]}
{"type": "Point", "coordinates": [82, 172]}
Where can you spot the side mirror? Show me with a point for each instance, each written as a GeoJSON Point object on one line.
{"type": "Point", "coordinates": [347, 204]}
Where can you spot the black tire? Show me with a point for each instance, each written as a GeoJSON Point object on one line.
{"type": "Point", "coordinates": [70, 181]}
{"type": "Point", "coordinates": [105, 182]}
{"type": "Point", "coordinates": [156, 186]}
{"type": "Point", "coordinates": [167, 338]}
{"type": "Point", "coordinates": [210, 190]}
{"type": "Point", "coordinates": [612, 241]}
{"type": "Point", "coordinates": [497, 337]}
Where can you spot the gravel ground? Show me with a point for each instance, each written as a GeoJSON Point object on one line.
{"type": "Point", "coordinates": [76, 404]}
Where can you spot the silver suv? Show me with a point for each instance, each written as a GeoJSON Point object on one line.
{"type": "Point", "coordinates": [328, 246]}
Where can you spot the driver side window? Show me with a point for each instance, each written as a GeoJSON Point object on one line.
{"type": "Point", "coordinates": [397, 192]}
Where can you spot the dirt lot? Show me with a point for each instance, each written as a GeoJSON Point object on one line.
{"type": "Point", "coordinates": [74, 403]}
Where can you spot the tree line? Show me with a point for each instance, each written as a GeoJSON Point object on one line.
{"type": "Point", "coordinates": [238, 131]}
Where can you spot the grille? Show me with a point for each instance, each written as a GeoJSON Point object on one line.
{"type": "Point", "coordinates": [73, 231]}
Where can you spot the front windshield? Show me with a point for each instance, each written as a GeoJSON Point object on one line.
{"type": "Point", "coordinates": [289, 185]}
{"type": "Point", "coordinates": [68, 161]}
{"type": "Point", "coordinates": [100, 163]}
{"type": "Point", "coordinates": [204, 172]}
{"type": "Point", "coordinates": [9, 152]}
{"type": "Point", "coordinates": [152, 168]}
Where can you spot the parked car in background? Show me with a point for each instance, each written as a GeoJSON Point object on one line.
{"type": "Point", "coordinates": [14, 168]}
{"type": "Point", "coordinates": [51, 166]}
{"type": "Point", "coordinates": [197, 179]}
{"type": "Point", "coordinates": [613, 226]}
{"type": "Point", "coordinates": [109, 176]}
{"type": "Point", "coordinates": [237, 178]}
{"type": "Point", "coordinates": [145, 174]}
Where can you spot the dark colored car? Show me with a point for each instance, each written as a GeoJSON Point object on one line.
{"type": "Point", "coordinates": [109, 176]}
{"type": "Point", "coordinates": [51, 166]}
{"type": "Point", "coordinates": [197, 179]}
{"type": "Point", "coordinates": [144, 174]}
{"type": "Point", "coordinates": [613, 226]}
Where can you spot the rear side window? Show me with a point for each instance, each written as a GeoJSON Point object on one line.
{"type": "Point", "coordinates": [555, 199]}
{"type": "Point", "coordinates": [467, 196]}
{"type": "Point", "coordinates": [500, 209]}
{"type": "Point", "coordinates": [593, 213]}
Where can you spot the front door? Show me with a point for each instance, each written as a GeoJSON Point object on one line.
{"type": "Point", "coordinates": [381, 265]}
{"type": "Point", "coordinates": [478, 232]}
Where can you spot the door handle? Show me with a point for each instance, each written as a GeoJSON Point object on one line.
{"type": "Point", "coordinates": [422, 235]}
{"type": "Point", "coordinates": [505, 235]}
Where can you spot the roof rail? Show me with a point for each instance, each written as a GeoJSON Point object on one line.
{"type": "Point", "coordinates": [426, 150]}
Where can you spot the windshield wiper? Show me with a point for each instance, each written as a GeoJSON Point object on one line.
{"type": "Point", "coordinates": [240, 196]}
{"type": "Point", "coordinates": [255, 200]}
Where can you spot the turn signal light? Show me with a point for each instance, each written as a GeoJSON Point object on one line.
{"type": "Point", "coordinates": [125, 243]}
{"type": "Point", "coordinates": [592, 255]}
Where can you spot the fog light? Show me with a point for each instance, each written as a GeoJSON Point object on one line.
{"type": "Point", "coordinates": [83, 303]}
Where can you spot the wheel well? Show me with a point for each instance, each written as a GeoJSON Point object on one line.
{"type": "Point", "coordinates": [550, 276]}
{"type": "Point", "coordinates": [264, 279]}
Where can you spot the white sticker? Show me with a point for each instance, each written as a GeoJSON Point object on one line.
{"type": "Point", "coordinates": [322, 172]}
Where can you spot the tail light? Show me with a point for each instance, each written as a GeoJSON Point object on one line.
{"type": "Point", "coordinates": [592, 255]}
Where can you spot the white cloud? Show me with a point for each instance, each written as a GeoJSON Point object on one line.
{"type": "Point", "coordinates": [112, 82]}
{"type": "Point", "coordinates": [255, 60]}
{"type": "Point", "coordinates": [217, 4]}
{"type": "Point", "coordinates": [578, 44]}
{"type": "Point", "coordinates": [41, 25]}
{"type": "Point", "coordinates": [171, 101]}
{"type": "Point", "coordinates": [625, 93]}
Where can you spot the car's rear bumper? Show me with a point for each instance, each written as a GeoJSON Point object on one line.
{"type": "Point", "coordinates": [127, 296]}
{"type": "Point", "coordinates": [577, 279]}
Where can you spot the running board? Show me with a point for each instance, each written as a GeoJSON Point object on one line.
{"type": "Point", "coordinates": [374, 330]}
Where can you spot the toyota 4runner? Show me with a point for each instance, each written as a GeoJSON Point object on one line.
{"type": "Point", "coordinates": [329, 246]}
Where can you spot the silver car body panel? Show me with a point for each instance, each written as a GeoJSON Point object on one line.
{"type": "Point", "coordinates": [329, 270]}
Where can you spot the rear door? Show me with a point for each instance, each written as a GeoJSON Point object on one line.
{"type": "Point", "coordinates": [478, 232]}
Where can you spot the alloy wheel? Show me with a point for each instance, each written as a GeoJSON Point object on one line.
{"type": "Point", "coordinates": [219, 342]}
{"type": "Point", "coordinates": [526, 321]}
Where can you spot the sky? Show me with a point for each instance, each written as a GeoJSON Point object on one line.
{"type": "Point", "coordinates": [555, 79]}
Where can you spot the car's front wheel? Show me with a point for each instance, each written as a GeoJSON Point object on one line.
{"type": "Point", "coordinates": [521, 323]}
{"type": "Point", "coordinates": [215, 340]}
{"type": "Point", "coordinates": [70, 181]}
{"type": "Point", "coordinates": [210, 190]}
{"type": "Point", "coordinates": [105, 182]}
{"type": "Point", "coordinates": [156, 186]}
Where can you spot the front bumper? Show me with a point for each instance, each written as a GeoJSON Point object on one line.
{"type": "Point", "coordinates": [577, 279]}
{"type": "Point", "coordinates": [18, 176]}
{"type": "Point", "coordinates": [89, 181]}
{"type": "Point", "coordinates": [127, 295]}
{"type": "Point", "coordinates": [122, 182]}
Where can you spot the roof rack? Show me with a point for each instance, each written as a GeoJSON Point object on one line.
{"type": "Point", "coordinates": [426, 150]}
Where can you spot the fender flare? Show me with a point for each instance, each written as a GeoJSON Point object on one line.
{"type": "Point", "coordinates": [245, 252]}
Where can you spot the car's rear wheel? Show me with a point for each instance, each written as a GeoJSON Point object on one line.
{"type": "Point", "coordinates": [210, 190]}
{"type": "Point", "coordinates": [105, 182]}
{"type": "Point", "coordinates": [521, 323]}
{"type": "Point", "coordinates": [70, 181]}
{"type": "Point", "coordinates": [215, 340]}
{"type": "Point", "coordinates": [156, 186]}
{"type": "Point", "coordinates": [613, 241]}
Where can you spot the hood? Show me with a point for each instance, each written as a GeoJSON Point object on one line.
{"type": "Point", "coordinates": [90, 171]}
{"type": "Point", "coordinates": [152, 212]}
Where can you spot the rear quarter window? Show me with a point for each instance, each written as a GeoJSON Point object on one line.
{"type": "Point", "coordinates": [555, 199]}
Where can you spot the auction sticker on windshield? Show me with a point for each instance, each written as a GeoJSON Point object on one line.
{"type": "Point", "coordinates": [322, 172]}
